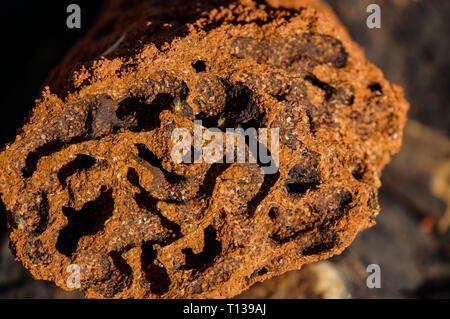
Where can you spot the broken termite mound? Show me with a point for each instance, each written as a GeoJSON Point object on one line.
{"type": "Point", "coordinates": [90, 180]}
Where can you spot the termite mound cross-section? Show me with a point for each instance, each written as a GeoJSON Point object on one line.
{"type": "Point", "coordinates": [90, 180]}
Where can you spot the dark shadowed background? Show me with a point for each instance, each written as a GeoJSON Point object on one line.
{"type": "Point", "coordinates": [411, 241]}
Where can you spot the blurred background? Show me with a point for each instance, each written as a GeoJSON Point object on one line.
{"type": "Point", "coordinates": [411, 241]}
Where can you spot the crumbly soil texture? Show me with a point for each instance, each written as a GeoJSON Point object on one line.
{"type": "Point", "coordinates": [89, 179]}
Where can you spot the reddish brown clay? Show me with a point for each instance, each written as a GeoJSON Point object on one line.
{"type": "Point", "coordinates": [90, 181]}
